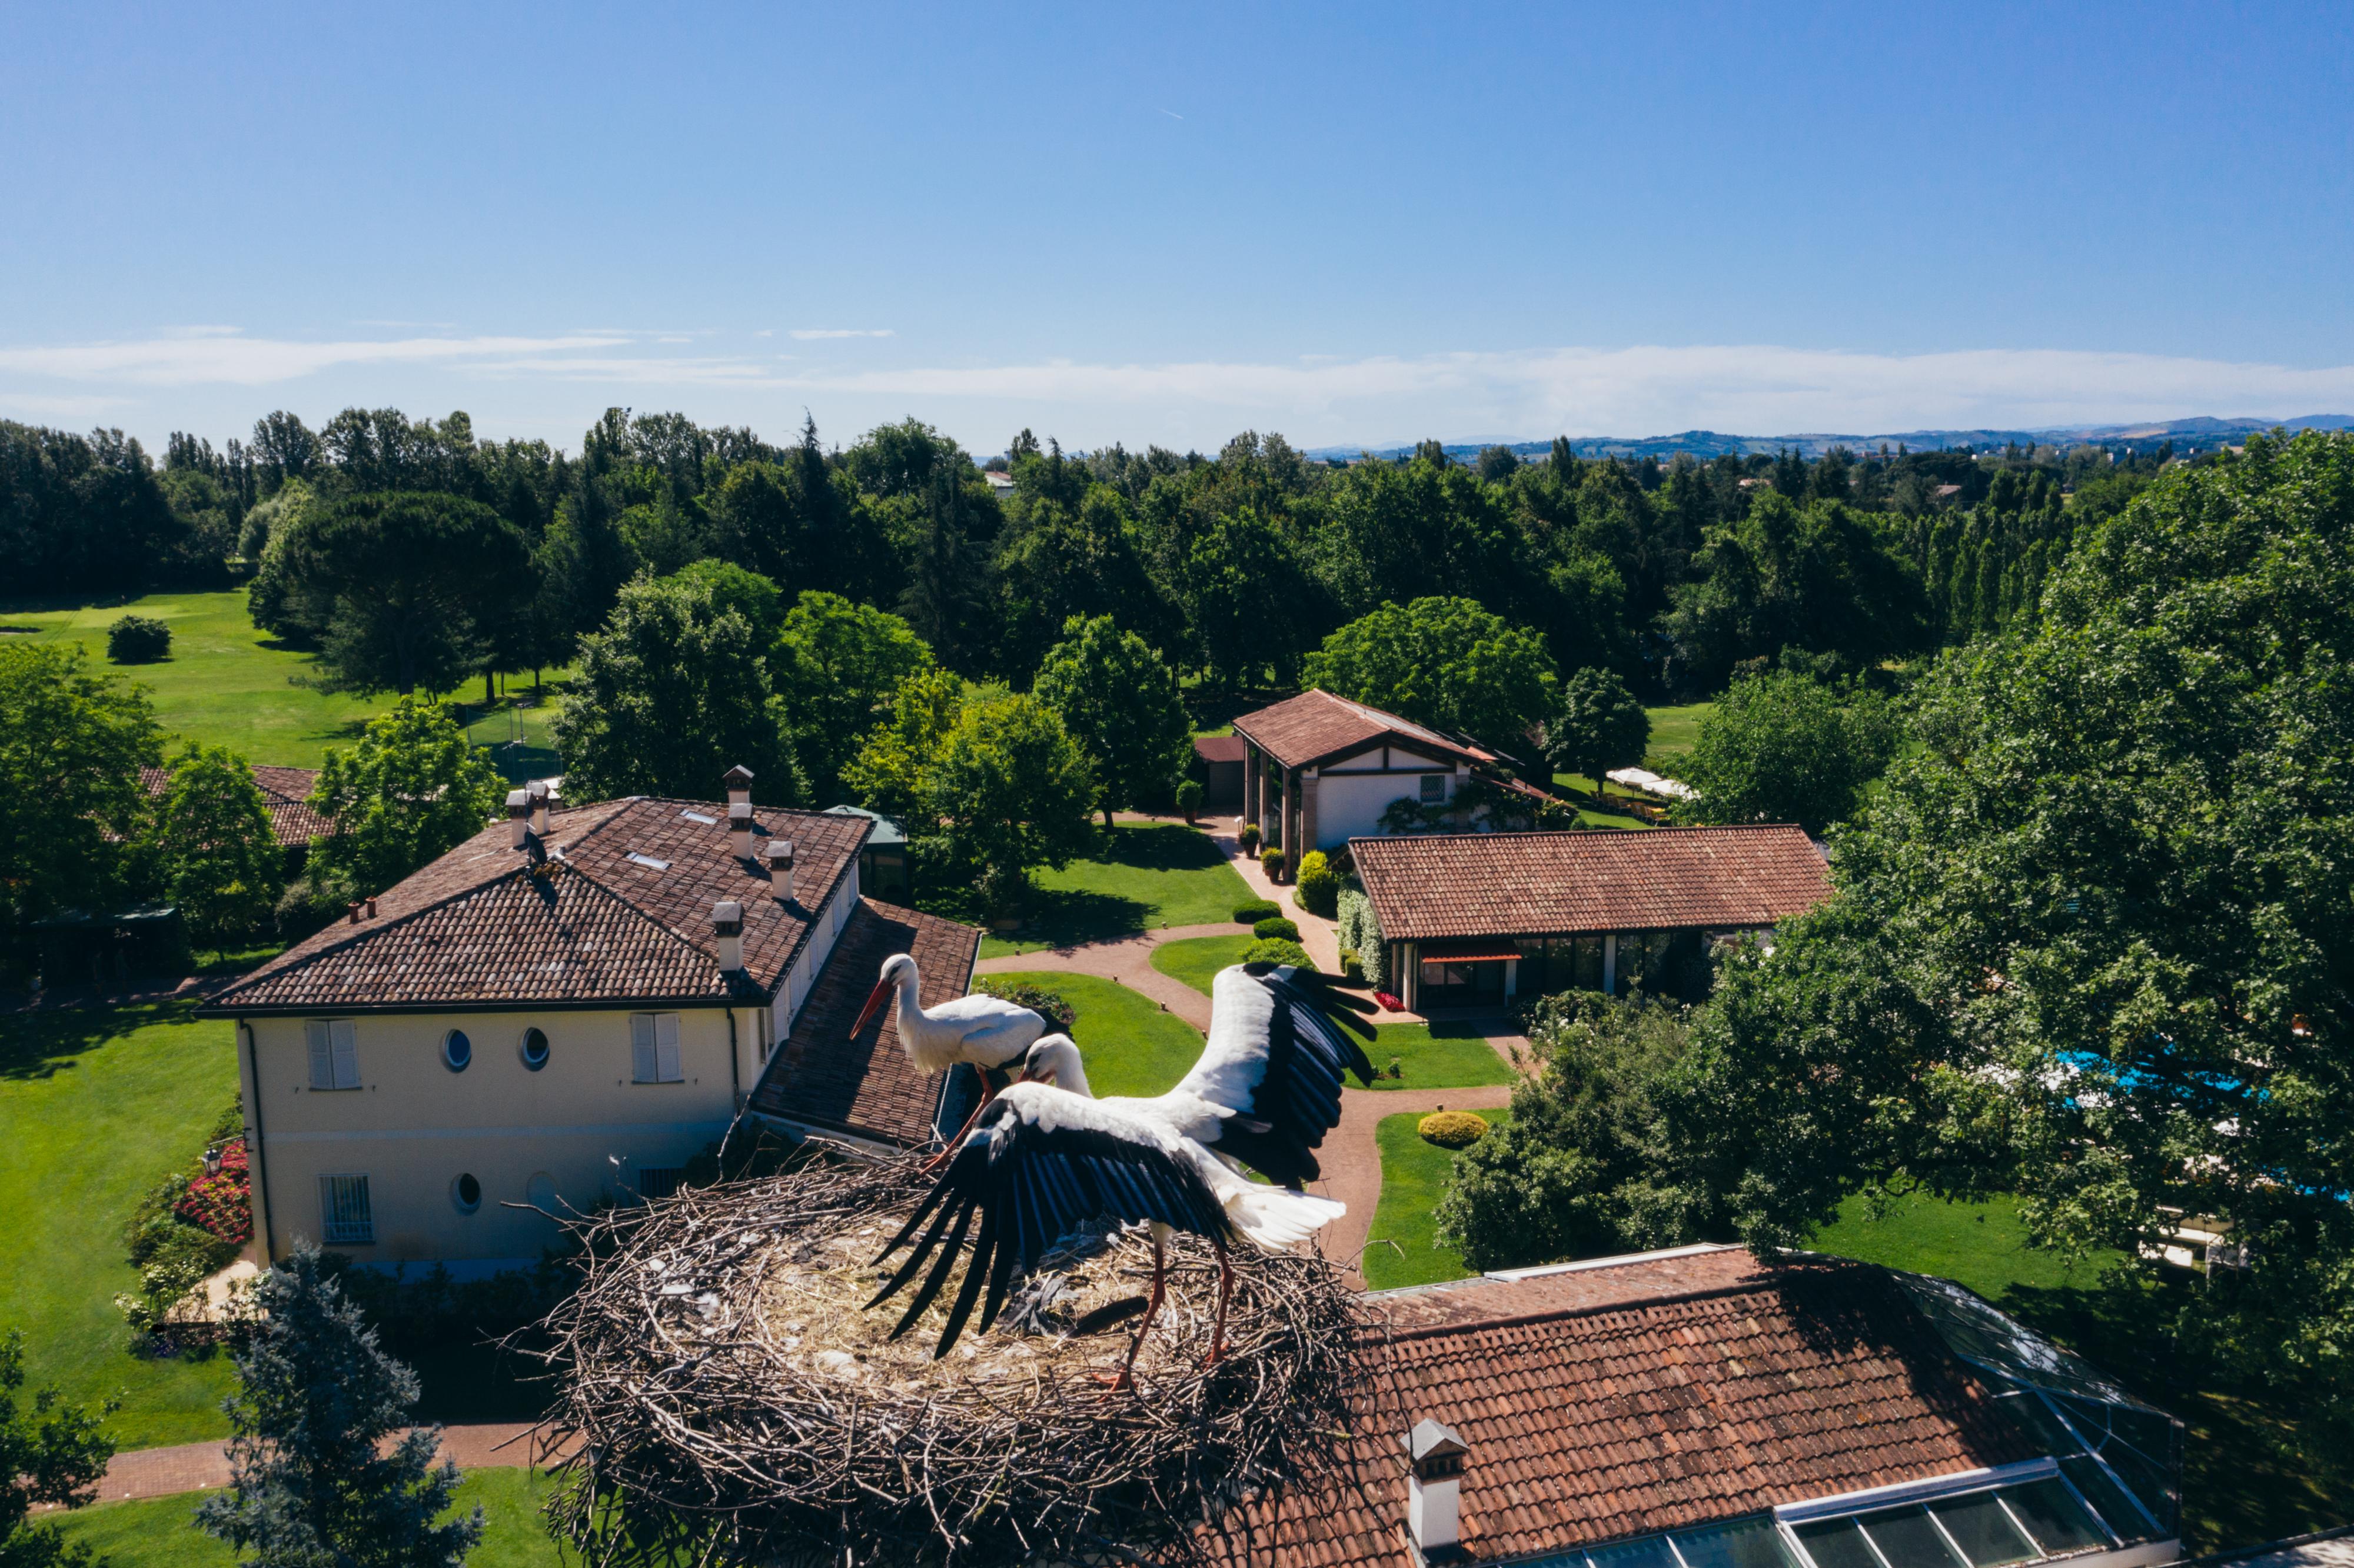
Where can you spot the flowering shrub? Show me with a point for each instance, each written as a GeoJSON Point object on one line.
{"type": "Point", "coordinates": [222, 1204]}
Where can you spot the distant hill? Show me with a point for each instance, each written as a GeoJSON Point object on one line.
{"type": "Point", "coordinates": [2203, 431]}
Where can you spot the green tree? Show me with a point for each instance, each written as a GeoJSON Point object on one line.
{"type": "Point", "coordinates": [412, 790]}
{"type": "Point", "coordinates": [324, 1466]}
{"type": "Point", "coordinates": [1579, 1168]}
{"type": "Point", "coordinates": [51, 1454]}
{"type": "Point", "coordinates": [838, 665]}
{"type": "Point", "coordinates": [402, 590]}
{"type": "Point", "coordinates": [71, 746]}
{"type": "Point", "coordinates": [671, 695]}
{"type": "Point", "coordinates": [220, 862]}
{"type": "Point", "coordinates": [1240, 589]}
{"type": "Point", "coordinates": [1011, 789]}
{"type": "Point", "coordinates": [892, 771]}
{"type": "Point", "coordinates": [1784, 748]}
{"type": "Point", "coordinates": [1442, 662]}
{"type": "Point", "coordinates": [1598, 726]}
{"type": "Point", "coordinates": [1123, 705]}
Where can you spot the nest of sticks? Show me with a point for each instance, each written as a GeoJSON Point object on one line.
{"type": "Point", "coordinates": [735, 1401]}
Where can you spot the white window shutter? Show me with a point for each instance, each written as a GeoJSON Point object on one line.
{"type": "Point", "coordinates": [666, 1065]}
{"type": "Point", "coordinates": [323, 1060]}
{"type": "Point", "coordinates": [344, 1035]}
{"type": "Point", "coordinates": [642, 1065]}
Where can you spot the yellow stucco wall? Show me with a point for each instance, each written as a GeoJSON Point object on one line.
{"type": "Point", "coordinates": [413, 1125]}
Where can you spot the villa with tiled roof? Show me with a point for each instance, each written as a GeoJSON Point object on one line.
{"type": "Point", "coordinates": [567, 1008]}
{"type": "Point", "coordinates": [1319, 771]}
{"type": "Point", "coordinates": [1475, 918]}
{"type": "Point", "coordinates": [1697, 1408]}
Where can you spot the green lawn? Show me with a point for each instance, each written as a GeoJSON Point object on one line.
{"type": "Point", "coordinates": [1436, 1056]}
{"type": "Point", "coordinates": [1413, 1174]}
{"type": "Point", "coordinates": [1673, 730]}
{"type": "Point", "coordinates": [157, 1532]}
{"type": "Point", "coordinates": [1152, 875]}
{"type": "Point", "coordinates": [1197, 960]}
{"type": "Point", "coordinates": [2248, 1477]}
{"type": "Point", "coordinates": [96, 1107]}
{"type": "Point", "coordinates": [227, 683]}
{"type": "Point", "coordinates": [1129, 1046]}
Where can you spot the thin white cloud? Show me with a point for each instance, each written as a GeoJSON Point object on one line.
{"type": "Point", "coordinates": [806, 334]}
{"type": "Point", "coordinates": [250, 361]}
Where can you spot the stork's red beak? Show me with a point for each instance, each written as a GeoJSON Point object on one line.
{"type": "Point", "coordinates": [874, 1005]}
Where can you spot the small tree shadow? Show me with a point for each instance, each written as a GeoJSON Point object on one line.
{"type": "Point", "coordinates": [1161, 846]}
{"type": "Point", "coordinates": [36, 1043]}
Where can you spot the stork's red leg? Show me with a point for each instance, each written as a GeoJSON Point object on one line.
{"type": "Point", "coordinates": [987, 1093]}
{"type": "Point", "coordinates": [1126, 1377]}
{"type": "Point", "coordinates": [1225, 1289]}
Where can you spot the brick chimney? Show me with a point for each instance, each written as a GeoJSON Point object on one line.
{"type": "Point", "coordinates": [728, 927]}
{"type": "Point", "coordinates": [518, 817]}
{"type": "Point", "coordinates": [780, 869]}
{"type": "Point", "coordinates": [1434, 1488]}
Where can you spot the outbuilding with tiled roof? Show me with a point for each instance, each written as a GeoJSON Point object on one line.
{"type": "Point", "coordinates": [1697, 1408]}
{"type": "Point", "coordinates": [1474, 918]}
{"type": "Point", "coordinates": [1319, 771]}
{"type": "Point", "coordinates": [565, 1009]}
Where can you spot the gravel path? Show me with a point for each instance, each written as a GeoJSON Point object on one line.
{"type": "Point", "coordinates": [200, 1467]}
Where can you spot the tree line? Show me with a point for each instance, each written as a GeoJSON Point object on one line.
{"type": "Point", "coordinates": [411, 554]}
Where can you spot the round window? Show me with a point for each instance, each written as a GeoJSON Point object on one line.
{"type": "Point", "coordinates": [466, 1193]}
{"type": "Point", "coordinates": [535, 1049]}
{"type": "Point", "coordinates": [457, 1050]}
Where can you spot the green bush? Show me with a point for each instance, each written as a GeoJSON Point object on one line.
{"type": "Point", "coordinates": [1351, 967]}
{"type": "Point", "coordinates": [1275, 951]}
{"type": "Point", "coordinates": [1189, 798]}
{"type": "Point", "coordinates": [1270, 860]}
{"type": "Point", "coordinates": [1248, 837]}
{"type": "Point", "coordinates": [1253, 911]}
{"type": "Point", "coordinates": [1274, 927]}
{"type": "Point", "coordinates": [1452, 1130]}
{"type": "Point", "coordinates": [1049, 1005]}
{"type": "Point", "coordinates": [311, 904]}
{"type": "Point", "coordinates": [1361, 933]}
{"type": "Point", "coordinates": [138, 640]}
{"type": "Point", "coordinates": [1319, 885]}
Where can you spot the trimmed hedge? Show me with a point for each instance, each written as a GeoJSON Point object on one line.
{"type": "Point", "coordinates": [1275, 928]}
{"type": "Point", "coordinates": [1049, 1005]}
{"type": "Point", "coordinates": [1275, 951]}
{"type": "Point", "coordinates": [1251, 911]}
{"type": "Point", "coordinates": [1319, 885]}
{"type": "Point", "coordinates": [1452, 1130]}
{"type": "Point", "coordinates": [138, 640]}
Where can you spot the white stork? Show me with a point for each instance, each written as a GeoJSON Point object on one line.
{"type": "Point", "coordinates": [985, 1032]}
{"type": "Point", "coordinates": [1045, 1158]}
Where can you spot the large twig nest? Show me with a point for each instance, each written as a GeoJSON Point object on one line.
{"type": "Point", "coordinates": [736, 1401]}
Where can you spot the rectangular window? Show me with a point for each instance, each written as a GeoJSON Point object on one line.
{"type": "Point", "coordinates": [344, 1218]}
{"type": "Point", "coordinates": [1434, 788]}
{"type": "Point", "coordinates": [334, 1053]}
{"type": "Point", "coordinates": [653, 1048]}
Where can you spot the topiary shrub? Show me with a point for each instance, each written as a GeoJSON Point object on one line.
{"type": "Point", "coordinates": [1319, 885]}
{"type": "Point", "coordinates": [138, 640]}
{"type": "Point", "coordinates": [1270, 860]}
{"type": "Point", "coordinates": [1351, 967]}
{"type": "Point", "coordinates": [1251, 911]}
{"type": "Point", "coordinates": [1275, 950]}
{"type": "Point", "coordinates": [1248, 837]}
{"type": "Point", "coordinates": [1361, 933]}
{"type": "Point", "coordinates": [1189, 798]}
{"type": "Point", "coordinates": [1452, 1130]}
{"type": "Point", "coordinates": [1049, 1005]}
{"type": "Point", "coordinates": [1274, 927]}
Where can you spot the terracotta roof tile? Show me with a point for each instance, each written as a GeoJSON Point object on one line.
{"type": "Point", "coordinates": [1315, 725]}
{"type": "Point", "coordinates": [1437, 885]}
{"type": "Point", "coordinates": [284, 790]}
{"type": "Point", "coordinates": [475, 928]}
{"type": "Point", "coordinates": [820, 1076]}
{"type": "Point", "coordinates": [1220, 747]}
{"type": "Point", "coordinates": [1641, 1396]}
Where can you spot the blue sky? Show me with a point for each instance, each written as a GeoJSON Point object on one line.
{"type": "Point", "coordinates": [1361, 223]}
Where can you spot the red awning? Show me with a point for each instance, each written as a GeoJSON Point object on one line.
{"type": "Point", "coordinates": [1495, 950]}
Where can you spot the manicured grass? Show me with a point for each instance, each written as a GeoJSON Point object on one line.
{"type": "Point", "coordinates": [1436, 1056]}
{"type": "Point", "coordinates": [2249, 1475]}
{"type": "Point", "coordinates": [1197, 960]}
{"type": "Point", "coordinates": [227, 683]}
{"type": "Point", "coordinates": [157, 1532]}
{"type": "Point", "coordinates": [1673, 730]}
{"type": "Point", "coordinates": [96, 1105]}
{"type": "Point", "coordinates": [1414, 1175]}
{"type": "Point", "coordinates": [1129, 1046]}
{"type": "Point", "coordinates": [1151, 875]}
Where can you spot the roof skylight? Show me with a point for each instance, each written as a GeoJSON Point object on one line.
{"type": "Point", "coordinates": [699, 817]}
{"type": "Point", "coordinates": [648, 861]}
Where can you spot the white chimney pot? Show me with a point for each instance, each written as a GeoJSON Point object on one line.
{"type": "Point", "coordinates": [728, 927]}
{"type": "Point", "coordinates": [739, 828]}
{"type": "Point", "coordinates": [780, 869]}
{"type": "Point", "coordinates": [1434, 1488]}
{"type": "Point", "coordinates": [518, 817]}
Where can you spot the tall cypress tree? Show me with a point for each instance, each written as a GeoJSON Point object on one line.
{"type": "Point", "coordinates": [317, 1398]}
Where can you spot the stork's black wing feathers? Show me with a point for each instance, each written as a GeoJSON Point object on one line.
{"type": "Point", "coordinates": [1298, 1099]}
{"type": "Point", "coordinates": [1031, 1187]}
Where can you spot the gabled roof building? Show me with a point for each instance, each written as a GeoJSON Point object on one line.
{"type": "Point", "coordinates": [567, 1008]}
{"type": "Point", "coordinates": [1319, 771]}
